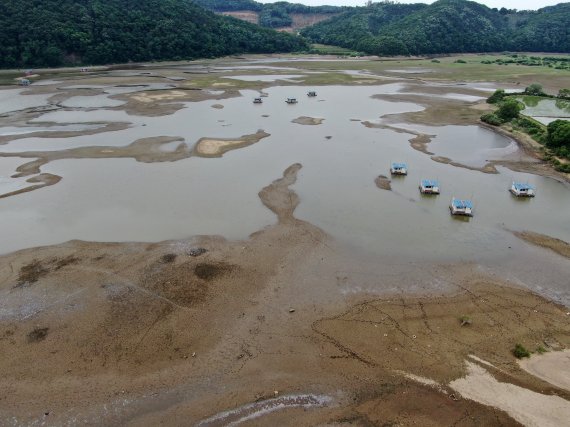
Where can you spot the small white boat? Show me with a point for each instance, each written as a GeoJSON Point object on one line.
{"type": "Point", "coordinates": [461, 207]}
{"type": "Point", "coordinates": [311, 93]}
{"type": "Point", "coordinates": [429, 186]}
{"type": "Point", "coordinates": [399, 169]}
{"type": "Point", "coordinates": [291, 100]}
{"type": "Point", "coordinates": [522, 190]}
{"type": "Point", "coordinates": [257, 100]}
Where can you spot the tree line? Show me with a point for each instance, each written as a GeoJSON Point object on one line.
{"type": "Point", "coordinates": [445, 26]}
{"type": "Point", "coordinates": [36, 33]}
{"type": "Point", "coordinates": [555, 136]}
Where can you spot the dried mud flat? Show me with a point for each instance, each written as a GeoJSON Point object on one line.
{"type": "Point", "coordinates": [207, 331]}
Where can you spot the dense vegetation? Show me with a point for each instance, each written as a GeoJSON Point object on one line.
{"type": "Point", "coordinates": [446, 26]}
{"type": "Point", "coordinates": [555, 137]}
{"type": "Point", "coordinates": [557, 62]}
{"type": "Point", "coordinates": [271, 15]}
{"type": "Point", "coordinates": [56, 32]}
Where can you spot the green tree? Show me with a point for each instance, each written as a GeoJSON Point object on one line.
{"type": "Point", "coordinates": [534, 89]}
{"type": "Point", "coordinates": [564, 93]}
{"type": "Point", "coordinates": [390, 46]}
{"type": "Point", "coordinates": [509, 109]}
{"type": "Point", "coordinates": [497, 97]}
{"type": "Point", "coordinates": [492, 119]}
{"type": "Point", "coordinates": [37, 33]}
{"type": "Point", "coordinates": [558, 134]}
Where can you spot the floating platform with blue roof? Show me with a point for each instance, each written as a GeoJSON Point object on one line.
{"type": "Point", "coordinates": [399, 169]}
{"type": "Point", "coordinates": [461, 207]}
{"type": "Point", "coordinates": [520, 189]}
{"type": "Point", "coordinates": [429, 186]}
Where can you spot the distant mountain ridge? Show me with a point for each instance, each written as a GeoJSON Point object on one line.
{"type": "Point", "coordinates": [445, 26]}
{"type": "Point", "coordinates": [37, 33]}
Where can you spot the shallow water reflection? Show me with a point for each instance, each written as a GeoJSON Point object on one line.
{"type": "Point", "coordinates": [121, 200]}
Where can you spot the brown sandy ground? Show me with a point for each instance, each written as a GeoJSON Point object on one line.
{"type": "Point", "coordinates": [40, 181]}
{"type": "Point", "coordinates": [145, 150]}
{"type": "Point", "coordinates": [143, 334]}
{"type": "Point", "coordinates": [216, 147]}
{"type": "Point", "coordinates": [556, 245]}
{"type": "Point", "coordinates": [165, 102]}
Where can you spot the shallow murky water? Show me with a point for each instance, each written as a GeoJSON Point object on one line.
{"type": "Point", "coordinates": [546, 110]}
{"type": "Point", "coordinates": [13, 100]}
{"type": "Point", "coordinates": [469, 145]}
{"type": "Point", "coordinates": [98, 101]}
{"type": "Point", "coordinates": [121, 200]}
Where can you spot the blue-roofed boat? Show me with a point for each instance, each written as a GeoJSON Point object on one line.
{"type": "Point", "coordinates": [399, 169]}
{"type": "Point", "coordinates": [461, 207]}
{"type": "Point", "coordinates": [429, 186]}
{"type": "Point", "coordinates": [520, 189]}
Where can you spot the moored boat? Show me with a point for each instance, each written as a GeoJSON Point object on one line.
{"type": "Point", "coordinates": [291, 100]}
{"type": "Point", "coordinates": [461, 207]}
{"type": "Point", "coordinates": [520, 189]}
{"type": "Point", "coordinates": [429, 186]}
{"type": "Point", "coordinates": [257, 100]}
{"type": "Point", "coordinates": [399, 169]}
{"type": "Point", "coordinates": [311, 93]}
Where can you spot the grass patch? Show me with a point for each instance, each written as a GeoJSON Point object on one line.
{"type": "Point", "coordinates": [465, 320]}
{"type": "Point", "coordinates": [519, 351]}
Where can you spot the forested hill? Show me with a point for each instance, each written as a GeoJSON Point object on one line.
{"type": "Point", "coordinates": [445, 26]}
{"type": "Point", "coordinates": [57, 32]}
{"type": "Point", "coordinates": [272, 15]}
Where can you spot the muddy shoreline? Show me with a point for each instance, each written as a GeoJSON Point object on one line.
{"type": "Point", "coordinates": [110, 324]}
{"type": "Point", "coordinates": [286, 327]}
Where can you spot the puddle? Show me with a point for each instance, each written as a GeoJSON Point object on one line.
{"type": "Point", "coordinates": [13, 100]}
{"type": "Point", "coordinates": [469, 145]}
{"type": "Point", "coordinates": [97, 101]}
{"type": "Point", "coordinates": [450, 95]}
